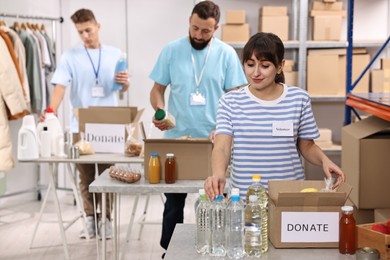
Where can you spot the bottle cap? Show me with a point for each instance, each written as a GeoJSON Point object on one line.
{"type": "Point", "coordinates": [347, 208]}
{"type": "Point", "coordinates": [235, 191]}
{"type": "Point", "coordinates": [256, 177]}
{"type": "Point", "coordinates": [160, 114]}
{"type": "Point", "coordinates": [170, 155]}
{"type": "Point", "coordinates": [218, 198]}
{"type": "Point", "coordinates": [154, 154]}
{"type": "Point", "coordinates": [49, 110]}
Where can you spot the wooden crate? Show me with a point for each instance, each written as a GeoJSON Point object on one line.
{"type": "Point", "coordinates": [370, 238]}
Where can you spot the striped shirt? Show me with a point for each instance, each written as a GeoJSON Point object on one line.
{"type": "Point", "coordinates": [256, 150]}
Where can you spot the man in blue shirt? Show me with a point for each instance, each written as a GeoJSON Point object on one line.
{"type": "Point", "coordinates": [199, 69]}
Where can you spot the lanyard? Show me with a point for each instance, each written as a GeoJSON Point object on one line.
{"type": "Point", "coordinates": [198, 80]}
{"type": "Point", "coordinates": [96, 71]}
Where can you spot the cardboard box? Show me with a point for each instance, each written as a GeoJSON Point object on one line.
{"type": "Point", "coordinates": [291, 78]}
{"type": "Point", "coordinates": [322, 6]}
{"type": "Point", "coordinates": [326, 72]}
{"type": "Point", "coordinates": [381, 215]}
{"type": "Point", "coordinates": [235, 32]}
{"type": "Point", "coordinates": [377, 81]}
{"type": "Point", "coordinates": [193, 156]}
{"type": "Point", "coordinates": [275, 24]}
{"type": "Point", "coordinates": [288, 65]}
{"type": "Point", "coordinates": [327, 28]}
{"type": "Point", "coordinates": [302, 220]}
{"type": "Point", "coordinates": [340, 13]}
{"type": "Point", "coordinates": [273, 11]}
{"type": "Point", "coordinates": [325, 139]}
{"type": "Point", "coordinates": [373, 239]}
{"type": "Point", "coordinates": [235, 16]}
{"type": "Point", "coordinates": [329, 1]}
{"type": "Point", "coordinates": [385, 63]}
{"type": "Point", "coordinates": [112, 117]}
{"type": "Point", "coordinates": [365, 162]}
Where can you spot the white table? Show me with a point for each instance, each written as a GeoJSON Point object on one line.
{"type": "Point", "coordinates": [183, 244]}
{"type": "Point", "coordinates": [52, 188]}
{"type": "Point", "coordinates": [105, 184]}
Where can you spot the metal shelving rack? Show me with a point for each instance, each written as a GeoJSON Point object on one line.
{"type": "Point", "coordinates": [370, 103]}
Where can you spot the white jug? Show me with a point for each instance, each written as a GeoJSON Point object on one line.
{"type": "Point", "coordinates": [55, 129]}
{"type": "Point", "coordinates": [28, 140]}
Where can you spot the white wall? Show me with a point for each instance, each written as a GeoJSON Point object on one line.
{"type": "Point", "coordinates": [142, 28]}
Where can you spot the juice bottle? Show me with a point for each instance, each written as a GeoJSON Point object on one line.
{"type": "Point", "coordinates": [347, 240]}
{"type": "Point", "coordinates": [170, 168]}
{"type": "Point", "coordinates": [154, 169]}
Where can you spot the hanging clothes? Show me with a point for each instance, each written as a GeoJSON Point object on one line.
{"type": "Point", "coordinates": [11, 97]}
{"type": "Point", "coordinates": [20, 53]}
{"type": "Point", "coordinates": [33, 66]}
{"type": "Point", "coordinates": [11, 51]}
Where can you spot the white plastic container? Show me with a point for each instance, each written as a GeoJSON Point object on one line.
{"type": "Point", "coordinates": [28, 140]}
{"type": "Point", "coordinates": [45, 143]}
{"type": "Point", "coordinates": [57, 134]}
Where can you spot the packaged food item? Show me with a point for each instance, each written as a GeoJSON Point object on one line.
{"type": "Point", "coordinates": [132, 146]}
{"type": "Point", "coordinates": [84, 146]}
{"type": "Point", "coordinates": [124, 174]}
{"type": "Point", "coordinates": [163, 115]}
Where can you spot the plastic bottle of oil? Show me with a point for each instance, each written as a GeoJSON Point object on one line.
{"type": "Point", "coordinates": [259, 190]}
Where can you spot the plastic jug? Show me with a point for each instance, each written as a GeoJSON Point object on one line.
{"type": "Point", "coordinates": [57, 134]}
{"type": "Point", "coordinates": [28, 140]}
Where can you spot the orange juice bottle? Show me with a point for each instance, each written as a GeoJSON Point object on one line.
{"type": "Point", "coordinates": [154, 169]}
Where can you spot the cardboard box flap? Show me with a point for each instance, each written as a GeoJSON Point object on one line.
{"type": "Point", "coordinates": [310, 199]}
{"type": "Point", "coordinates": [287, 193]}
{"type": "Point", "coordinates": [179, 140]}
{"type": "Point", "coordinates": [367, 127]}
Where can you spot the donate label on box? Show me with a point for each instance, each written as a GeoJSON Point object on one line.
{"type": "Point", "coordinates": [106, 138]}
{"type": "Point", "coordinates": [310, 227]}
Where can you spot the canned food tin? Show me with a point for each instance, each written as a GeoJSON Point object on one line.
{"type": "Point", "coordinates": [74, 152]}
{"type": "Point", "coordinates": [367, 253]}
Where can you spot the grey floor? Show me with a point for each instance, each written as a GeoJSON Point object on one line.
{"type": "Point", "coordinates": [18, 217]}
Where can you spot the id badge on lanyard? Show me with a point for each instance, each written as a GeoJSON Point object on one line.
{"type": "Point", "coordinates": [197, 98]}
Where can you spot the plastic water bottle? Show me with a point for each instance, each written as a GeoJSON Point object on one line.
{"type": "Point", "coordinates": [218, 222]}
{"type": "Point", "coordinates": [121, 65]}
{"type": "Point", "coordinates": [203, 224]}
{"type": "Point", "coordinates": [260, 191]}
{"type": "Point", "coordinates": [235, 226]}
{"type": "Point", "coordinates": [253, 227]}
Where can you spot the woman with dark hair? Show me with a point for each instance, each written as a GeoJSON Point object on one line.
{"type": "Point", "coordinates": [265, 127]}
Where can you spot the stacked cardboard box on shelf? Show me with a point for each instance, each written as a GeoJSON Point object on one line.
{"type": "Point", "coordinates": [380, 78]}
{"type": "Point", "coordinates": [326, 74]}
{"type": "Point", "coordinates": [290, 76]}
{"type": "Point", "coordinates": [274, 19]}
{"type": "Point", "coordinates": [235, 29]}
{"type": "Point", "coordinates": [327, 18]}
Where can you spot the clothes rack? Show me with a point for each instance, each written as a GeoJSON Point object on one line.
{"type": "Point", "coordinates": [53, 20]}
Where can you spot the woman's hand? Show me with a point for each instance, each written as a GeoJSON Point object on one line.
{"type": "Point", "coordinates": [330, 169]}
{"type": "Point", "coordinates": [214, 186]}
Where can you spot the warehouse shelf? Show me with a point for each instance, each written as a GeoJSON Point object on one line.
{"type": "Point", "coordinates": [377, 104]}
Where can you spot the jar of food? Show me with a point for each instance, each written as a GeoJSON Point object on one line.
{"type": "Point", "coordinates": [347, 241]}
{"type": "Point", "coordinates": [154, 169]}
{"type": "Point", "coordinates": [170, 168]}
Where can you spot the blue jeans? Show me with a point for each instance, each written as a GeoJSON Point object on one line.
{"type": "Point", "coordinates": [173, 213]}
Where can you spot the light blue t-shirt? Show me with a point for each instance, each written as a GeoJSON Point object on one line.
{"type": "Point", "coordinates": [75, 70]}
{"type": "Point", "coordinates": [174, 67]}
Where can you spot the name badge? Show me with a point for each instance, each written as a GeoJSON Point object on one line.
{"type": "Point", "coordinates": [197, 99]}
{"type": "Point", "coordinates": [97, 91]}
{"type": "Point", "coordinates": [282, 128]}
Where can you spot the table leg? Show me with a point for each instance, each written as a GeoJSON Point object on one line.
{"type": "Point", "coordinates": [103, 228]}
{"type": "Point", "coordinates": [49, 187]}
{"type": "Point", "coordinates": [58, 210]}
{"type": "Point", "coordinates": [132, 218]}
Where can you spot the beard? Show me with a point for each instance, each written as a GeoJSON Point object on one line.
{"type": "Point", "coordinates": [199, 45]}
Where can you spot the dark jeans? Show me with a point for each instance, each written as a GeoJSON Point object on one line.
{"type": "Point", "coordinates": [173, 213]}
